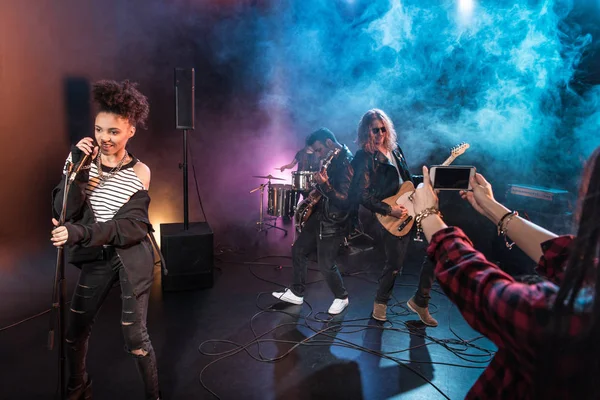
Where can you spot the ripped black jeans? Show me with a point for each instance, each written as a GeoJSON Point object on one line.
{"type": "Point", "coordinates": [395, 249]}
{"type": "Point", "coordinates": [95, 282]}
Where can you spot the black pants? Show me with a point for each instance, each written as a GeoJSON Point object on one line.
{"type": "Point", "coordinates": [422, 295]}
{"type": "Point", "coordinates": [95, 281]}
{"type": "Point", "coordinates": [395, 249]}
{"type": "Point", "coordinates": [327, 249]}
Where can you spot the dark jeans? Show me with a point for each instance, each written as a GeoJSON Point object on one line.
{"type": "Point", "coordinates": [327, 249]}
{"type": "Point", "coordinates": [425, 281]}
{"type": "Point", "coordinates": [395, 252]}
{"type": "Point", "coordinates": [95, 281]}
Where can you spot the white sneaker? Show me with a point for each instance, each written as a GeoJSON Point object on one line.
{"type": "Point", "coordinates": [338, 306]}
{"type": "Point", "coordinates": [288, 297]}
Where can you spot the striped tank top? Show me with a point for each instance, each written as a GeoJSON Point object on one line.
{"type": "Point", "coordinates": [106, 198]}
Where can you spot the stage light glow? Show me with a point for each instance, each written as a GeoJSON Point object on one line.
{"type": "Point", "coordinates": [163, 213]}
{"type": "Point", "coordinates": [465, 6]}
{"type": "Point", "coordinates": [156, 225]}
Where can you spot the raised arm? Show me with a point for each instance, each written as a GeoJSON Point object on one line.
{"type": "Point", "coordinates": [527, 235]}
{"type": "Point", "coordinates": [488, 298]}
{"type": "Point", "coordinates": [76, 195]}
{"type": "Point", "coordinates": [288, 166]}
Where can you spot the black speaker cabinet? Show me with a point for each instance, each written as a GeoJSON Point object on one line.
{"type": "Point", "coordinates": [184, 98]}
{"type": "Point", "coordinates": [188, 256]}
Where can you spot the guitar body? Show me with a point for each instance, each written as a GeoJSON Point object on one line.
{"type": "Point", "coordinates": [305, 209]}
{"type": "Point", "coordinates": [399, 226]}
{"type": "Point", "coordinates": [402, 226]}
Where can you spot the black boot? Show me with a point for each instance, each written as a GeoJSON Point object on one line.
{"type": "Point", "coordinates": [83, 391]}
{"type": "Point", "coordinates": [146, 366]}
{"type": "Point", "coordinates": [80, 384]}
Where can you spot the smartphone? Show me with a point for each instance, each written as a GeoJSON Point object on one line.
{"type": "Point", "coordinates": [456, 177]}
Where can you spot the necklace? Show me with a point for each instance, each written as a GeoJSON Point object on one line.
{"type": "Point", "coordinates": [103, 178]}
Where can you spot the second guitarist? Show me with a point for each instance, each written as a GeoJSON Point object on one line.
{"type": "Point", "coordinates": [379, 170]}
{"type": "Point", "coordinates": [327, 226]}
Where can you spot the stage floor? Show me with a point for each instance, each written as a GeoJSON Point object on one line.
{"type": "Point", "coordinates": [237, 341]}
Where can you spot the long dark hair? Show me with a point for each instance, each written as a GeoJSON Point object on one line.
{"type": "Point", "coordinates": [365, 141]}
{"type": "Point", "coordinates": [581, 275]}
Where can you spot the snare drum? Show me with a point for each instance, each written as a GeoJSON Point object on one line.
{"type": "Point", "coordinates": [282, 200]}
{"type": "Point", "coordinates": [302, 180]}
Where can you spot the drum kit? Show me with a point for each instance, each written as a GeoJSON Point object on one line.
{"type": "Point", "coordinates": [282, 198]}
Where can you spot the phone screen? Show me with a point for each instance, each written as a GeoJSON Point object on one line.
{"type": "Point", "coordinates": [451, 178]}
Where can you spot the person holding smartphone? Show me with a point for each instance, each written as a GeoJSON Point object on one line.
{"type": "Point", "coordinates": [379, 169]}
{"type": "Point", "coordinates": [106, 234]}
{"type": "Point", "coordinates": [546, 332]}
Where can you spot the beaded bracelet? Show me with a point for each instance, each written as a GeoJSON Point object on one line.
{"type": "Point", "coordinates": [503, 227]}
{"type": "Point", "coordinates": [421, 216]}
{"type": "Point", "coordinates": [501, 221]}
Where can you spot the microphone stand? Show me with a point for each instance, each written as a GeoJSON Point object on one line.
{"type": "Point", "coordinates": [59, 294]}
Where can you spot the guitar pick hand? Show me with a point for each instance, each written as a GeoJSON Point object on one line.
{"type": "Point", "coordinates": [398, 211]}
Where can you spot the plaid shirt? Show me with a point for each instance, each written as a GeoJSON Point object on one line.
{"type": "Point", "coordinates": [512, 315]}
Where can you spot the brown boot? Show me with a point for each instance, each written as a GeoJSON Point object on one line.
{"type": "Point", "coordinates": [380, 312]}
{"type": "Point", "coordinates": [423, 312]}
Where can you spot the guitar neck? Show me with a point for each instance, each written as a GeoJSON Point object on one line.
{"type": "Point", "coordinates": [327, 162]}
{"type": "Point", "coordinates": [449, 160]}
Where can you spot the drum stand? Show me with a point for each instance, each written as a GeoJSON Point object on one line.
{"type": "Point", "coordinates": [358, 232]}
{"type": "Point", "coordinates": [261, 225]}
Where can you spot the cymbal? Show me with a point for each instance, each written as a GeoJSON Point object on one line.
{"type": "Point", "coordinates": [268, 177]}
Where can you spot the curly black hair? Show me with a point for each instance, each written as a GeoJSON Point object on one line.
{"type": "Point", "coordinates": [122, 99]}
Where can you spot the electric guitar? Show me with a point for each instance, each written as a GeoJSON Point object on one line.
{"type": "Point", "coordinates": [401, 226]}
{"type": "Point", "coordinates": [306, 206]}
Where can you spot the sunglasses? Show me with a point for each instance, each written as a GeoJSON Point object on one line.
{"type": "Point", "coordinates": [375, 131]}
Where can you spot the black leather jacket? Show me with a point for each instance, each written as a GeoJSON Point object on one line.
{"type": "Point", "coordinates": [127, 232]}
{"type": "Point", "coordinates": [375, 179]}
{"type": "Point", "coordinates": [335, 206]}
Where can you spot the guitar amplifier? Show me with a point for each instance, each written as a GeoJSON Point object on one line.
{"type": "Point", "coordinates": [548, 207]}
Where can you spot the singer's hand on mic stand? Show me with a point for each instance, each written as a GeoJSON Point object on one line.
{"type": "Point", "coordinates": [60, 234]}
{"type": "Point", "coordinates": [87, 146]}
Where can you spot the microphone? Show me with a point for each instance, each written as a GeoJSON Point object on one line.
{"type": "Point", "coordinates": [78, 167]}
{"type": "Point", "coordinates": [81, 164]}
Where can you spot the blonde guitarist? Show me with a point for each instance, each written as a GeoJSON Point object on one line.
{"type": "Point", "coordinates": [379, 170]}
{"type": "Point", "coordinates": [327, 225]}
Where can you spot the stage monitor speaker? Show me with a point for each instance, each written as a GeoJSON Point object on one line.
{"type": "Point", "coordinates": [188, 256]}
{"type": "Point", "coordinates": [184, 98]}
